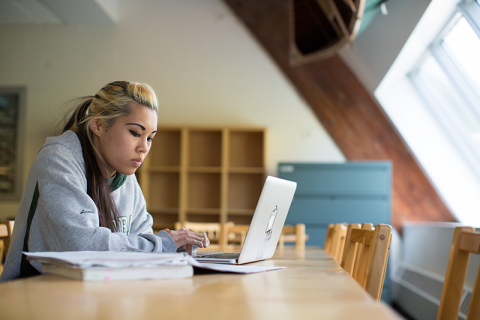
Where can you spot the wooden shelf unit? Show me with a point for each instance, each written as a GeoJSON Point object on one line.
{"type": "Point", "coordinates": [203, 174]}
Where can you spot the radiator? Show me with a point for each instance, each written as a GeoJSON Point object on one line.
{"type": "Point", "coordinates": [418, 292]}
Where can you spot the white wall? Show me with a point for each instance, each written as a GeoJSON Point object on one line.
{"type": "Point", "coordinates": [204, 65]}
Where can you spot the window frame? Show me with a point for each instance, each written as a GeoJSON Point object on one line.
{"type": "Point", "coordinates": [470, 10]}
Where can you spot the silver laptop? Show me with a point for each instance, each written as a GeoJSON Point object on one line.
{"type": "Point", "coordinates": [265, 228]}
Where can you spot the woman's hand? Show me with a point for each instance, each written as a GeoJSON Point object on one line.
{"type": "Point", "coordinates": [185, 238]}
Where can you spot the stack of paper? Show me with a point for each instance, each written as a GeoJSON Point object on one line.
{"type": "Point", "coordinates": [128, 265]}
{"type": "Point", "coordinates": [110, 265]}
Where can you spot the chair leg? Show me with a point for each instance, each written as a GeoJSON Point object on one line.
{"type": "Point", "coordinates": [456, 273]}
{"type": "Point", "coordinates": [281, 242]}
{"type": "Point", "coordinates": [300, 237]}
{"type": "Point", "coordinates": [474, 309]}
{"type": "Point", "coordinates": [223, 235]}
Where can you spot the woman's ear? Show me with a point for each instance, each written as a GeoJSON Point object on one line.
{"type": "Point", "coordinates": [96, 126]}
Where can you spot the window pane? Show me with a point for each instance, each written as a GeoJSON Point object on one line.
{"type": "Point", "coordinates": [463, 45]}
{"type": "Point", "coordinates": [445, 95]}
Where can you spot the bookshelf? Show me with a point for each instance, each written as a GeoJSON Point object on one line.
{"type": "Point", "coordinates": [203, 174]}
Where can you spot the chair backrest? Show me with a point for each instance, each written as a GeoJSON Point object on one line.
{"type": "Point", "coordinates": [295, 234]}
{"type": "Point", "coordinates": [234, 233]}
{"type": "Point", "coordinates": [465, 241]}
{"type": "Point", "coordinates": [338, 240]}
{"type": "Point", "coordinates": [335, 240]}
{"type": "Point", "coordinates": [348, 264]}
{"type": "Point", "coordinates": [360, 270]}
{"type": "Point", "coordinates": [365, 256]}
{"type": "Point", "coordinates": [329, 238]}
{"type": "Point", "coordinates": [213, 230]}
{"type": "Point", "coordinates": [6, 231]}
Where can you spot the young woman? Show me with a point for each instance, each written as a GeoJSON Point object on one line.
{"type": "Point", "coordinates": [81, 192]}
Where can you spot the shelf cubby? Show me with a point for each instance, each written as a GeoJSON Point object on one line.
{"type": "Point", "coordinates": [205, 148]}
{"type": "Point", "coordinates": [241, 212]}
{"type": "Point", "coordinates": [164, 220]}
{"type": "Point", "coordinates": [203, 218]}
{"type": "Point", "coordinates": [203, 211]}
{"type": "Point", "coordinates": [246, 170]}
{"type": "Point", "coordinates": [162, 217]}
{"type": "Point", "coordinates": [153, 169]}
{"type": "Point", "coordinates": [205, 169]}
{"type": "Point", "coordinates": [246, 149]}
{"type": "Point", "coordinates": [244, 190]}
{"type": "Point", "coordinates": [166, 147]}
{"type": "Point", "coordinates": [203, 191]}
{"type": "Point", "coordinates": [163, 192]}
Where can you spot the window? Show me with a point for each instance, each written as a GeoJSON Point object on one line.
{"type": "Point", "coordinates": [448, 79]}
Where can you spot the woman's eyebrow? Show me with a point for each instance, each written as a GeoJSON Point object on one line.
{"type": "Point", "coordinates": [136, 124]}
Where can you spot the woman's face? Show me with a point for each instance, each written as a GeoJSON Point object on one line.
{"type": "Point", "coordinates": [127, 142]}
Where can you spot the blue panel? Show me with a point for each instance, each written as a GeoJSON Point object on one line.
{"type": "Point", "coordinates": [339, 179]}
{"type": "Point", "coordinates": [338, 210]}
{"type": "Point", "coordinates": [316, 235]}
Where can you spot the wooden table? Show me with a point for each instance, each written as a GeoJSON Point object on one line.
{"type": "Point", "coordinates": [313, 286]}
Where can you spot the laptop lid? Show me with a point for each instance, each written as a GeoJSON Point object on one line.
{"type": "Point", "coordinates": [268, 220]}
{"type": "Point", "coordinates": [266, 225]}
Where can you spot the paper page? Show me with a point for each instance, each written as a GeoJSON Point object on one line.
{"type": "Point", "coordinates": [231, 267]}
{"type": "Point", "coordinates": [110, 259]}
{"type": "Point", "coordinates": [115, 259]}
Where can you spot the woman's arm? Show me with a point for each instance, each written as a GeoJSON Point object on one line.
{"type": "Point", "coordinates": [66, 218]}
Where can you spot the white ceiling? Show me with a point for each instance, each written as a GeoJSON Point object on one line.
{"type": "Point", "coordinates": [57, 12]}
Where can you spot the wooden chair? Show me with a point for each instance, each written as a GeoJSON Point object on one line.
{"type": "Point", "coordinates": [465, 241]}
{"type": "Point", "coordinates": [348, 265]}
{"type": "Point", "coordinates": [335, 240]}
{"type": "Point", "coordinates": [361, 269]}
{"type": "Point", "coordinates": [234, 233]}
{"type": "Point", "coordinates": [338, 241]}
{"type": "Point", "coordinates": [327, 246]}
{"type": "Point", "coordinates": [213, 230]}
{"type": "Point", "coordinates": [295, 234]}
{"type": "Point", "coordinates": [6, 230]}
{"type": "Point", "coordinates": [365, 256]}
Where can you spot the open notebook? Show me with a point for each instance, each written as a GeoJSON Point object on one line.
{"type": "Point", "coordinates": [265, 227]}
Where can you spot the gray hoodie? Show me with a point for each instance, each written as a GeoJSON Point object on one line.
{"type": "Point", "coordinates": [65, 218]}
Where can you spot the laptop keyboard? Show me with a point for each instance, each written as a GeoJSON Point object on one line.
{"type": "Point", "coordinates": [220, 255]}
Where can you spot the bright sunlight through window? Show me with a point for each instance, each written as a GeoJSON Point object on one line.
{"type": "Point", "coordinates": [448, 78]}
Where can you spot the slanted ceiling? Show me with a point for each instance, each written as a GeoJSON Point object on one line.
{"type": "Point", "coordinates": [57, 12]}
{"type": "Point", "coordinates": [354, 120]}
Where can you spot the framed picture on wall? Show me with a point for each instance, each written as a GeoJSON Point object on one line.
{"type": "Point", "coordinates": [12, 107]}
